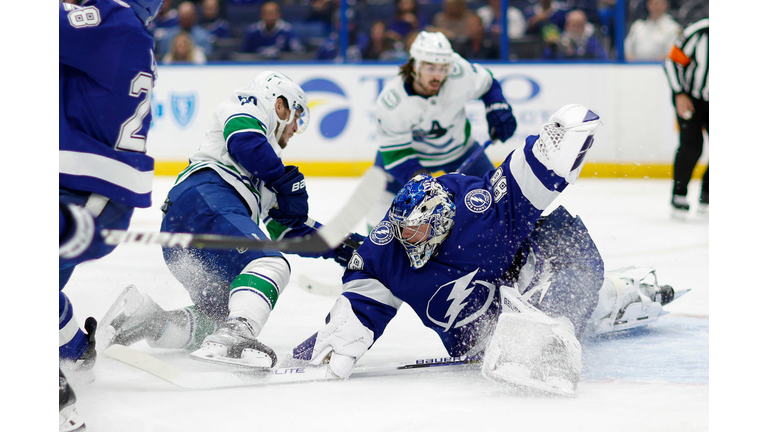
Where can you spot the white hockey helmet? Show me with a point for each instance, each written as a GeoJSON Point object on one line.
{"type": "Point", "coordinates": [271, 85]}
{"type": "Point", "coordinates": [422, 201]}
{"type": "Point", "coordinates": [431, 47]}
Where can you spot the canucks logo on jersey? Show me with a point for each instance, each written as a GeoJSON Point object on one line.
{"type": "Point", "coordinates": [459, 302]}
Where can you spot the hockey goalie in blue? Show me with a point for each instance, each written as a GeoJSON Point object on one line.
{"type": "Point", "coordinates": [462, 250]}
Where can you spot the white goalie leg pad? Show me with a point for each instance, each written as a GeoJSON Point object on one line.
{"type": "Point", "coordinates": [565, 139]}
{"type": "Point", "coordinates": [533, 351]}
{"type": "Point", "coordinates": [344, 337]}
{"type": "Point", "coordinates": [253, 304]}
{"type": "Point", "coordinates": [629, 298]}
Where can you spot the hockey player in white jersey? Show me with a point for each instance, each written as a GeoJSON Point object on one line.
{"type": "Point", "coordinates": [422, 123]}
{"type": "Point", "coordinates": [233, 183]}
{"type": "Point", "coordinates": [476, 261]}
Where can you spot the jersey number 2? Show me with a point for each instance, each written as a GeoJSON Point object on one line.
{"type": "Point", "coordinates": [130, 139]}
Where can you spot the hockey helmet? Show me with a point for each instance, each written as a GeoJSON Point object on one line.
{"type": "Point", "coordinates": [271, 85]}
{"type": "Point", "coordinates": [146, 10]}
{"type": "Point", "coordinates": [432, 47]}
{"type": "Point", "coordinates": [423, 201]}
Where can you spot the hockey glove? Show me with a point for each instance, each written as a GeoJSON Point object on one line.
{"type": "Point", "coordinates": [343, 253]}
{"type": "Point", "coordinates": [292, 198]}
{"type": "Point", "coordinates": [501, 121]}
{"type": "Point", "coordinates": [345, 338]}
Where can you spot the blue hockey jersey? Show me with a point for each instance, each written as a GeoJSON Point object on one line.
{"type": "Point", "coordinates": [456, 292]}
{"type": "Point", "coordinates": [106, 75]}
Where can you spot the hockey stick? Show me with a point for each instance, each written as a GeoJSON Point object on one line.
{"type": "Point", "coordinates": [262, 377]}
{"type": "Point", "coordinates": [470, 160]}
{"type": "Point", "coordinates": [327, 237]}
{"type": "Point", "coordinates": [314, 286]}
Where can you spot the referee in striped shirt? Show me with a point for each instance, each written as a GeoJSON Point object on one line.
{"type": "Point", "coordinates": [687, 68]}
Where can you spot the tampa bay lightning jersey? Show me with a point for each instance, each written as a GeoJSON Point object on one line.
{"type": "Point", "coordinates": [106, 75]}
{"type": "Point", "coordinates": [456, 292]}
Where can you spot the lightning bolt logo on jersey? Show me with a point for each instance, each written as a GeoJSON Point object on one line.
{"type": "Point", "coordinates": [466, 301]}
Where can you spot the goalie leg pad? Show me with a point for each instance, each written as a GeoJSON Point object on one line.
{"type": "Point", "coordinates": [535, 353]}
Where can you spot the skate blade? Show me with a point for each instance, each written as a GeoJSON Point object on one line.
{"type": "Point", "coordinates": [250, 359]}
{"type": "Point", "coordinates": [518, 378]}
{"type": "Point", "coordinates": [70, 420]}
{"type": "Point", "coordinates": [678, 214]}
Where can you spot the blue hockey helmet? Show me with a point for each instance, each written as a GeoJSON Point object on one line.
{"type": "Point", "coordinates": [422, 204]}
{"type": "Point", "coordinates": [146, 10]}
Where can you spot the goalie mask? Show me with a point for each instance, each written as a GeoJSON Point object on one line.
{"type": "Point", "coordinates": [271, 85]}
{"type": "Point", "coordinates": [422, 215]}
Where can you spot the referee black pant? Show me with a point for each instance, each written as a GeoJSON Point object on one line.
{"type": "Point", "coordinates": [690, 149]}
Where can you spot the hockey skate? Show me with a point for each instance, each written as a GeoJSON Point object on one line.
{"type": "Point", "coordinates": [81, 370]}
{"type": "Point", "coordinates": [234, 343]}
{"type": "Point", "coordinates": [69, 419]}
{"type": "Point", "coordinates": [630, 298]}
{"type": "Point", "coordinates": [680, 206]}
{"type": "Point", "coordinates": [133, 317]}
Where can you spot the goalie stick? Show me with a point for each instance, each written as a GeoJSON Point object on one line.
{"type": "Point", "coordinates": [263, 377]}
{"type": "Point", "coordinates": [329, 236]}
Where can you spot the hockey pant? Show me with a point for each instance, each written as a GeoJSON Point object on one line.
{"type": "Point", "coordinates": [559, 269]}
{"type": "Point", "coordinates": [205, 203]}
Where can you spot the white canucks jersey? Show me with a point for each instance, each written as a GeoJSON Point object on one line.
{"type": "Point", "coordinates": [243, 117]}
{"type": "Point", "coordinates": [434, 130]}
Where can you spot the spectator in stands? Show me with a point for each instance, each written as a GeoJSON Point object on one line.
{"type": "Point", "coordinates": [188, 22]}
{"type": "Point", "coordinates": [546, 19]}
{"type": "Point", "coordinates": [167, 17]}
{"type": "Point", "coordinates": [406, 19]}
{"type": "Point", "coordinates": [329, 50]}
{"type": "Point", "coordinates": [578, 41]}
{"type": "Point", "coordinates": [452, 20]}
{"type": "Point", "coordinates": [652, 38]}
{"type": "Point", "coordinates": [476, 44]}
{"type": "Point", "coordinates": [381, 47]}
{"type": "Point", "coordinates": [212, 20]}
{"type": "Point", "coordinates": [323, 11]}
{"type": "Point", "coordinates": [184, 50]}
{"type": "Point", "coordinates": [491, 16]}
{"type": "Point", "coordinates": [271, 35]}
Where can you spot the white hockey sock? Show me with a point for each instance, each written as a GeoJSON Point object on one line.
{"type": "Point", "coordinates": [255, 290]}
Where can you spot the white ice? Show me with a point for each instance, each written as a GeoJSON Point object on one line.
{"type": "Point", "coordinates": [631, 224]}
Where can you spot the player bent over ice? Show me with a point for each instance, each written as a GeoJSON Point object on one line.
{"type": "Point", "coordinates": [234, 181]}
{"type": "Point", "coordinates": [479, 265]}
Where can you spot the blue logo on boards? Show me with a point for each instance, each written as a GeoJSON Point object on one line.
{"type": "Point", "coordinates": [329, 101]}
{"type": "Point", "coordinates": [519, 88]}
{"type": "Point", "coordinates": [183, 107]}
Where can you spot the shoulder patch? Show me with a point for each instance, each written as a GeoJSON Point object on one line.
{"type": "Point", "coordinates": [478, 200]}
{"type": "Point", "coordinates": [382, 233]}
{"type": "Point", "coordinates": [355, 262]}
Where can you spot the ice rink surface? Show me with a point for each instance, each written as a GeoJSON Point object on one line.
{"type": "Point", "coordinates": [651, 380]}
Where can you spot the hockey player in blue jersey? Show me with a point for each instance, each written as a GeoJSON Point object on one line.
{"type": "Point", "coordinates": [472, 256]}
{"type": "Point", "coordinates": [106, 75]}
{"type": "Point", "coordinates": [234, 183]}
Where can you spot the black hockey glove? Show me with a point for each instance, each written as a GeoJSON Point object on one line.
{"type": "Point", "coordinates": [292, 198]}
{"type": "Point", "coordinates": [343, 253]}
{"type": "Point", "coordinates": [501, 121]}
